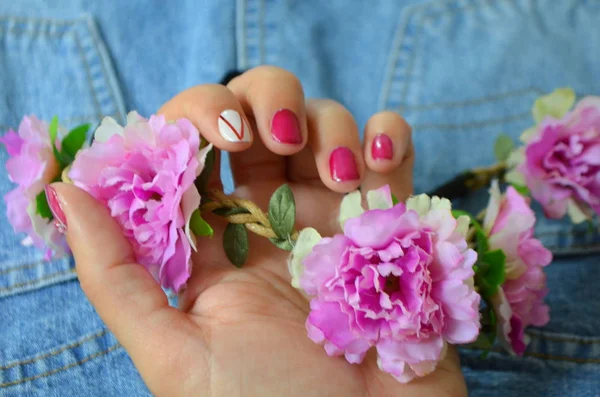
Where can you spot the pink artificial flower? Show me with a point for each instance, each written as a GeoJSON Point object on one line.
{"type": "Point", "coordinates": [32, 165]}
{"type": "Point", "coordinates": [144, 173]}
{"type": "Point", "coordinates": [509, 222]}
{"type": "Point", "coordinates": [399, 279]}
{"type": "Point", "coordinates": [560, 163]}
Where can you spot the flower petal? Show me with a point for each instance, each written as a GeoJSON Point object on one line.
{"type": "Point", "coordinates": [380, 199]}
{"type": "Point", "coordinates": [329, 325]}
{"type": "Point", "coordinates": [108, 127]}
{"type": "Point", "coordinates": [376, 228]}
{"type": "Point", "coordinates": [320, 264]}
{"type": "Point", "coordinates": [555, 104]}
{"type": "Point", "coordinates": [307, 239]}
{"type": "Point", "coordinates": [351, 207]}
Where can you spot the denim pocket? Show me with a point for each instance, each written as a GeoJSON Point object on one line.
{"type": "Point", "coordinates": [48, 67]}
{"type": "Point", "coordinates": [464, 71]}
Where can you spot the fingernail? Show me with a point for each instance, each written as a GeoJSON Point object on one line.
{"type": "Point", "coordinates": [285, 127]}
{"type": "Point", "coordinates": [342, 165]}
{"type": "Point", "coordinates": [60, 220]}
{"type": "Point", "coordinates": [233, 127]}
{"type": "Point", "coordinates": [382, 148]}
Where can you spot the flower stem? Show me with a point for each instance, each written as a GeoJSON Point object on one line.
{"type": "Point", "coordinates": [252, 216]}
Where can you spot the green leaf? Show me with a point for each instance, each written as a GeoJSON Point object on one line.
{"type": "Point", "coordinates": [555, 104]}
{"type": "Point", "coordinates": [395, 199]}
{"type": "Point", "coordinates": [480, 237]}
{"type": "Point", "coordinates": [42, 207]}
{"type": "Point", "coordinates": [235, 243]}
{"type": "Point", "coordinates": [481, 240]}
{"type": "Point", "coordinates": [502, 147]}
{"type": "Point", "coordinates": [230, 211]}
{"type": "Point", "coordinates": [521, 189]}
{"type": "Point", "coordinates": [74, 141]}
{"type": "Point", "coordinates": [284, 244]}
{"type": "Point", "coordinates": [204, 177]}
{"type": "Point", "coordinates": [490, 272]}
{"type": "Point", "coordinates": [199, 226]}
{"type": "Point", "coordinates": [53, 130]}
{"type": "Point", "coordinates": [282, 211]}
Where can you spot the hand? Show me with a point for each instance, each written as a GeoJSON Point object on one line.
{"type": "Point", "coordinates": [242, 332]}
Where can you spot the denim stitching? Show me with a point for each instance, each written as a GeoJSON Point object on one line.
{"type": "Point", "coordinates": [424, 19]}
{"type": "Point", "coordinates": [88, 76]}
{"type": "Point", "coordinates": [411, 63]}
{"type": "Point", "coordinates": [70, 24]}
{"type": "Point", "coordinates": [242, 62]}
{"type": "Point", "coordinates": [542, 356]}
{"type": "Point", "coordinates": [576, 249]}
{"type": "Point", "coordinates": [58, 22]}
{"type": "Point", "coordinates": [397, 44]}
{"type": "Point", "coordinates": [105, 73]}
{"type": "Point", "coordinates": [63, 368]}
{"type": "Point", "coordinates": [23, 31]}
{"type": "Point", "coordinates": [97, 335]}
{"type": "Point", "coordinates": [81, 119]}
{"type": "Point", "coordinates": [555, 338]}
{"type": "Point", "coordinates": [474, 124]}
{"type": "Point", "coordinates": [261, 39]}
{"type": "Point", "coordinates": [473, 102]}
{"type": "Point", "coordinates": [33, 282]}
{"type": "Point", "coordinates": [20, 267]}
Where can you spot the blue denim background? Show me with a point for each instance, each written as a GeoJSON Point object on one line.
{"type": "Point", "coordinates": [460, 71]}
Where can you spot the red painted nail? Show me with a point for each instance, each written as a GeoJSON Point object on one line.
{"type": "Point", "coordinates": [382, 148]}
{"type": "Point", "coordinates": [60, 220]}
{"type": "Point", "coordinates": [285, 127]}
{"type": "Point", "coordinates": [342, 165]}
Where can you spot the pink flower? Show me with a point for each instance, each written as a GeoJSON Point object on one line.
{"type": "Point", "coordinates": [399, 279]}
{"type": "Point", "coordinates": [31, 165]}
{"type": "Point", "coordinates": [144, 173]}
{"type": "Point", "coordinates": [560, 163]}
{"type": "Point", "coordinates": [519, 303]}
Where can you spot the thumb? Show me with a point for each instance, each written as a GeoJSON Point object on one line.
{"type": "Point", "coordinates": [125, 295]}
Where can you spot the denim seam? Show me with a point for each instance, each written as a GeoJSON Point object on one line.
{"type": "Point", "coordinates": [252, 32]}
{"type": "Point", "coordinates": [474, 102]}
{"type": "Point", "coordinates": [474, 124]}
{"type": "Point", "coordinates": [397, 44]}
{"type": "Point", "coordinates": [563, 339]}
{"type": "Point", "coordinates": [261, 40]}
{"type": "Point", "coordinates": [7, 270]}
{"type": "Point", "coordinates": [63, 368]}
{"type": "Point", "coordinates": [72, 25]}
{"type": "Point", "coordinates": [19, 19]}
{"type": "Point", "coordinates": [35, 281]}
{"type": "Point", "coordinates": [97, 335]}
{"type": "Point", "coordinates": [102, 55]}
{"type": "Point", "coordinates": [81, 119]}
{"type": "Point", "coordinates": [424, 19]}
{"type": "Point", "coordinates": [543, 356]}
{"type": "Point", "coordinates": [88, 76]}
{"type": "Point", "coordinates": [240, 8]}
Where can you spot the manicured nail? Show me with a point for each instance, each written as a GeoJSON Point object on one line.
{"type": "Point", "coordinates": [60, 220]}
{"type": "Point", "coordinates": [342, 165]}
{"type": "Point", "coordinates": [382, 148]}
{"type": "Point", "coordinates": [285, 127]}
{"type": "Point", "coordinates": [233, 127]}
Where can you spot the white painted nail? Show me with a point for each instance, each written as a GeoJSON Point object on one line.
{"type": "Point", "coordinates": [233, 127]}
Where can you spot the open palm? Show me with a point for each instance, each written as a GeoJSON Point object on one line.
{"type": "Point", "coordinates": [239, 332]}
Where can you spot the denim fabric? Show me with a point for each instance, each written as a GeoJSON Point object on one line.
{"type": "Point", "coordinates": [460, 71]}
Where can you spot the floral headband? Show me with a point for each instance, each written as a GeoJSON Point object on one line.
{"type": "Point", "coordinates": [407, 278]}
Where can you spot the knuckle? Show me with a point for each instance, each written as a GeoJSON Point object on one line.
{"type": "Point", "coordinates": [277, 76]}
